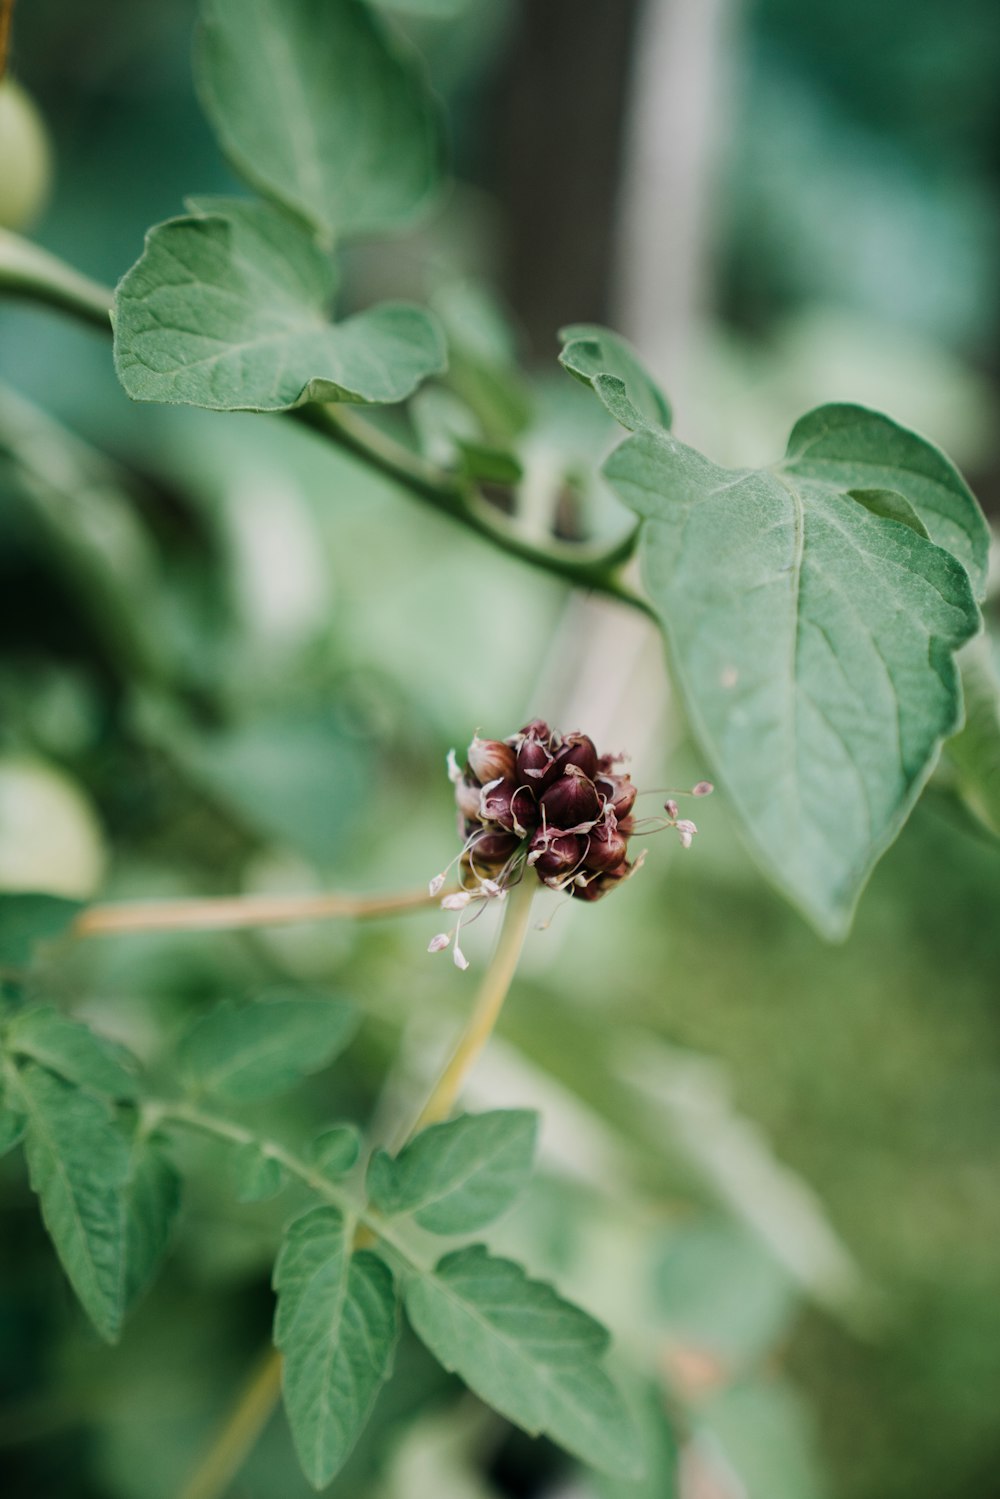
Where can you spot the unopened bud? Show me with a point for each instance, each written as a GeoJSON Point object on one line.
{"type": "Point", "coordinates": [571, 800]}
{"type": "Point", "coordinates": [435, 884]}
{"type": "Point", "coordinates": [467, 798]}
{"type": "Point", "coordinates": [671, 809]}
{"type": "Point", "coordinates": [456, 902]}
{"type": "Point", "coordinates": [618, 792]}
{"type": "Point", "coordinates": [510, 805]}
{"type": "Point", "coordinates": [608, 847]}
{"type": "Point", "coordinates": [459, 959]}
{"type": "Point", "coordinates": [490, 760]}
{"type": "Point", "coordinates": [494, 848]}
{"type": "Point", "coordinates": [438, 943]}
{"type": "Point", "coordinates": [576, 749]}
{"type": "Point", "coordinates": [555, 856]}
{"type": "Point", "coordinates": [703, 788]}
{"type": "Point", "coordinates": [686, 831]}
{"type": "Point", "coordinates": [533, 759]}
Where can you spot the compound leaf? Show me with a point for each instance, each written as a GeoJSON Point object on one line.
{"type": "Point", "coordinates": [812, 634]}
{"type": "Point", "coordinates": [319, 106]}
{"type": "Point", "coordinates": [78, 1162]}
{"type": "Point", "coordinates": [74, 1051]}
{"type": "Point", "coordinates": [336, 1324]}
{"type": "Point", "coordinates": [457, 1176]}
{"type": "Point", "coordinates": [241, 1052]}
{"type": "Point", "coordinates": [227, 309]}
{"type": "Point", "coordinates": [150, 1201]}
{"type": "Point", "coordinates": [532, 1356]}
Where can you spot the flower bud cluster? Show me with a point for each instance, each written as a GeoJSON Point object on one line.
{"type": "Point", "coordinates": [546, 802]}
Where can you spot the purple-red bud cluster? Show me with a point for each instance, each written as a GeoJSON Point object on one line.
{"type": "Point", "coordinates": [549, 801]}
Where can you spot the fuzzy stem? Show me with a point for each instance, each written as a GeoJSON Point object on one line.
{"type": "Point", "coordinates": [489, 1003]}
{"type": "Point", "coordinates": [229, 912]}
{"type": "Point", "coordinates": [233, 1444]}
{"type": "Point", "coordinates": [34, 275]}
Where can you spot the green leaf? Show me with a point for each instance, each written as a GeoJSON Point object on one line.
{"type": "Point", "coordinates": [613, 370]}
{"type": "Point", "coordinates": [74, 1051]}
{"type": "Point", "coordinates": [78, 1162]}
{"type": "Point", "coordinates": [241, 1052]}
{"type": "Point", "coordinates": [227, 310]}
{"type": "Point", "coordinates": [12, 1125]}
{"type": "Point", "coordinates": [532, 1356]}
{"type": "Point", "coordinates": [150, 1202]}
{"type": "Point", "coordinates": [458, 1176]}
{"type": "Point", "coordinates": [337, 1325]}
{"type": "Point", "coordinates": [812, 639]}
{"type": "Point", "coordinates": [258, 1175]}
{"type": "Point", "coordinates": [26, 920]}
{"type": "Point", "coordinates": [336, 1150]}
{"type": "Point", "coordinates": [321, 107]}
{"type": "Point", "coordinates": [974, 754]}
{"type": "Point", "coordinates": [852, 448]}
{"type": "Point", "coordinates": [659, 1447]}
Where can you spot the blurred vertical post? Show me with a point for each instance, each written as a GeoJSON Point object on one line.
{"type": "Point", "coordinates": [678, 118]}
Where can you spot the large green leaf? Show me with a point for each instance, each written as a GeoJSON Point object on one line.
{"type": "Point", "coordinates": [812, 635]}
{"type": "Point", "coordinates": [241, 1052]}
{"type": "Point", "coordinates": [610, 366]}
{"type": "Point", "coordinates": [457, 1176]}
{"type": "Point", "coordinates": [974, 754]}
{"type": "Point", "coordinates": [336, 1324]}
{"type": "Point", "coordinates": [72, 1050]}
{"type": "Point", "coordinates": [318, 105]}
{"type": "Point", "coordinates": [227, 309]}
{"type": "Point", "coordinates": [78, 1162]}
{"type": "Point", "coordinates": [853, 448]}
{"type": "Point", "coordinates": [532, 1356]}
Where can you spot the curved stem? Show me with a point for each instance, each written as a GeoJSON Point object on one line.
{"type": "Point", "coordinates": [595, 568]}
{"type": "Point", "coordinates": [233, 1444]}
{"type": "Point", "coordinates": [36, 276]}
{"type": "Point", "coordinates": [230, 912]}
{"type": "Point", "coordinates": [489, 1003]}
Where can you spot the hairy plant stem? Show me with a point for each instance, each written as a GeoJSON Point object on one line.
{"type": "Point", "coordinates": [230, 912]}
{"type": "Point", "coordinates": [489, 1002]}
{"type": "Point", "coordinates": [34, 275]}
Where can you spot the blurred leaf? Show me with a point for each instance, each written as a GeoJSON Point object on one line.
{"type": "Point", "coordinates": [251, 1051]}
{"type": "Point", "coordinates": [258, 1175]}
{"type": "Point", "coordinates": [151, 1200]}
{"type": "Point", "coordinates": [457, 1176]}
{"type": "Point", "coordinates": [658, 1446]}
{"type": "Point", "coordinates": [766, 1436]}
{"type": "Point", "coordinates": [73, 1051]}
{"type": "Point", "coordinates": [716, 1287]}
{"type": "Point", "coordinates": [336, 1150]}
{"type": "Point", "coordinates": [227, 310]}
{"type": "Point", "coordinates": [610, 366]}
{"type": "Point", "coordinates": [975, 750]}
{"type": "Point", "coordinates": [336, 1325]}
{"type": "Point", "coordinates": [532, 1356]}
{"type": "Point", "coordinates": [12, 1126]}
{"type": "Point", "coordinates": [50, 838]}
{"type": "Point", "coordinates": [295, 777]}
{"type": "Point", "coordinates": [319, 106]}
{"type": "Point", "coordinates": [26, 920]}
{"type": "Point", "coordinates": [78, 1161]}
{"type": "Point", "coordinates": [812, 639]}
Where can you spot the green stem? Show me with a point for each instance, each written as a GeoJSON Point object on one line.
{"type": "Point", "coordinates": [33, 274]}
{"type": "Point", "coordinates": [29, 272]}
{"type": "Point", "coordinates": [598, 569]}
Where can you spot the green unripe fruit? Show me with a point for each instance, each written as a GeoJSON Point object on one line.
{"type": "Point", "coordinates": [25, 158]}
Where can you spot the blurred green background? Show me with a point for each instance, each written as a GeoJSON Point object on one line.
{"type": "Point", "coordinates": [232, 660]}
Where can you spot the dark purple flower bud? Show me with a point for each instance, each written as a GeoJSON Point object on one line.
{"type": "Point", "coordinates": [533, 759]}
{"type": "Point", "coordinates": [571, 800]}
{"type": "Point", "coordinates": [556, 856]}
{"type": "Point", "coordinates": [490, 760]}
{"type": "Point", "coordinates": [510, 805]}
{"type": "Point", "coordinates": [576, 749]}
{"type": "Point", "coordinates": [608, 846]}
{"type": "Point", "coordinates": [618, 792]}
{"type": "Point", "coordinates": [489, 849]}
{"type": "Point", "coordinates": [538, 729]}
